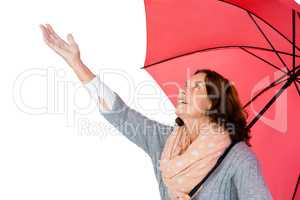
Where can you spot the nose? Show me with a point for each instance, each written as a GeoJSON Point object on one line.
{"type": "Point", "coordinates": [181, 95]}
{"type": "Point", "coordinates": [181, 91]}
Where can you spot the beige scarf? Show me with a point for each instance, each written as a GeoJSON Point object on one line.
{"type": "Point", "coordinates": [184, 163]}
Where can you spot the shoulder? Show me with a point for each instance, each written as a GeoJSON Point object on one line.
{"type": "Point", "coordinates": [247, 174]}
{"type": "Point", "coordinates": [241, 156]}
{"type": "Point", "coordinates": [242, 151]}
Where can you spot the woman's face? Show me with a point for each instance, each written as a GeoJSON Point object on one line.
{"type": "Point", "coordinates": [194, 97]}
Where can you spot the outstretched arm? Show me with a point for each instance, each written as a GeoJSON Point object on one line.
{"type": "Point", "coordinates": [146, 133]}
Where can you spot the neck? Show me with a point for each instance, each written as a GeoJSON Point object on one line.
{"type": "Point", "coordinates": [195, 125]}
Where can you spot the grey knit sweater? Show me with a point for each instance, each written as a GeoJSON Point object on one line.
{"type": "Point", "coordinates": [237, 177]}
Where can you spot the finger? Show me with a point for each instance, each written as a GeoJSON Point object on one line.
{"type": "Point", "coordinates": [44, 31]}
{"type": "Point", "coordinates": [55, 37]}
{"type": "Point", "coordinates": [49, 27]}
{"type": "Point", "coordinates": [46, 36]}
{"type": "Point", "coordinates": [53, 44]}
{"type": "Point", "coordinates": [52, 32]}
{"type": "Point", "coordinates": [47, 31]}
{"type": "Point", "coordinates": [71, 39]}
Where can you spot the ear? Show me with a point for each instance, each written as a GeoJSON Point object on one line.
{"type": "Point", "coordinates": [209, 105]}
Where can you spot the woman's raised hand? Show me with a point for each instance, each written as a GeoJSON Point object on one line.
{"type": "Point", "coordinates": [69, 51]}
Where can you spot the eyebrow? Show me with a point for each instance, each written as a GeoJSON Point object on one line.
{"type": "Point", "coordinates": [185, 82]}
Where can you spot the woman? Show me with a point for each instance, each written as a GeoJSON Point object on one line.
{"type": "Point", "coordinates": [210, 128]}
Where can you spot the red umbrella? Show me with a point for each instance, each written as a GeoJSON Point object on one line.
{"type": "Point", "coordinates": [255, 44]}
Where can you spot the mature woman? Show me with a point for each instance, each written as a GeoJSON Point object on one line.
{"type": "Point", "coordinates": [205, 155]}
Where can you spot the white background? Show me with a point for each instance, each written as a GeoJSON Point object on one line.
{"type": "Point", "coordinates": [46, 151]}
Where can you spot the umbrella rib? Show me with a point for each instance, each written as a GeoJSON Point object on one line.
{"type": "Point", "coordinates": [266, 38]}
{"type": "Point", "coordinates": [297, 88]}
{"type": "Point", "coordinates": [263, 60]}
{"type": "Point", "coordinates": [296, 186]}
{"type": "Point", "coordinates": [296, 78]}
{"type": "Point", "coordinates": [294, 52]}
{"type": "Point", "coordinates": [262, 20]}
{"type": "Point", "coordinates": [273, 99]}
{"type": "Point", "coordinates": [271, 85]}
{"type": "Point", "coordinates": [214, 48]}
{"type": "Point", "coordinates": [294, 38]}
{"type": "Point", "coordinates": [267, 106]}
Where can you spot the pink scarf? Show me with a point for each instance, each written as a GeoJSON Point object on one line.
{"type": "Point", "coordinates": [184, 164]}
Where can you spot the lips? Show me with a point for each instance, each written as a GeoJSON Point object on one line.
{"type": "Point", "coordinates": [181, 96]}
{"type": "Point", "coordinates": [182, 101]}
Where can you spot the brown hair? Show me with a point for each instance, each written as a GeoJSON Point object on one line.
{"type": "Point", "coordinates": [226, 108]}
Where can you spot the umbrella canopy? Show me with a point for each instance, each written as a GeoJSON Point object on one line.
{"type": "Point", "coordinates": [256, 45]}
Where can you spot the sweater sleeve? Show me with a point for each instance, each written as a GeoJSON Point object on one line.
{"type": "Point", "coordinates": [101, 94]}
{"type": "Point", "coordinates": [146, 133]}
{"type": "Point", "coordinates": [249, 181]}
